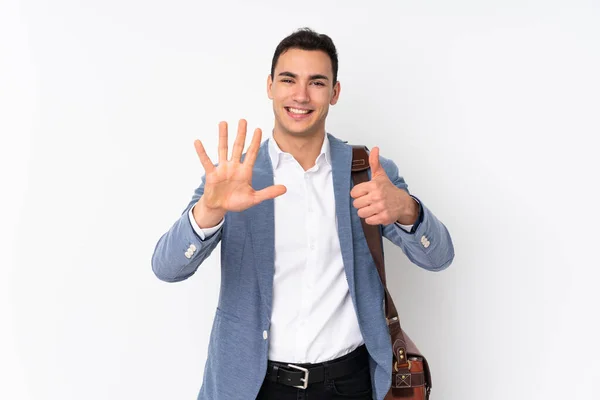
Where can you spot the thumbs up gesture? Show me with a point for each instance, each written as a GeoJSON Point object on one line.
{"type": "Point", "coordinates": [379, 201]}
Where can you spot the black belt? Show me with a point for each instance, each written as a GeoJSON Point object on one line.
{"type": "Point", "coordinates": [301, 375]}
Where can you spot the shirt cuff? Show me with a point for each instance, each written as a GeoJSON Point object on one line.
{"type": "Point", "coordinates": [204, 233]}
{"type": "Point", "coordinates": [407, 228]}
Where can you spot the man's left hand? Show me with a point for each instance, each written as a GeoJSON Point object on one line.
{"type": "Point", "coordinates": [379, 201]}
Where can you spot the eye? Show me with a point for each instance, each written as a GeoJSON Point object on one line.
{"type": "Point", "coordinates": [285, 80]}
{"type": "Point", "coordinates": [318, 83]}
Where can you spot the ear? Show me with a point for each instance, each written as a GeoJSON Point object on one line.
{"type": "Point", "coordinates": [336, 93]}
{"type": "Point", "coordinates": [269, 87]}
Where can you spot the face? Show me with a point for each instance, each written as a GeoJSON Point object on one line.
{"type": "Point", "coordinates": [302, 90]}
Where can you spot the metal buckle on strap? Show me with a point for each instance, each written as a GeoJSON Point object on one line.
{"type": "Point", "coordinates": [305, 379]}
{"type": "Point", "coordinates": [404, 379]}
{"type": "Point", "coordinates": [407, 363]}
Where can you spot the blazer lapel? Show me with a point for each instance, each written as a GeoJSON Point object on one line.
{"type": "Point", "coordinates": [341, 163]}
{"type": "Point", "coordinates": [262, 227]}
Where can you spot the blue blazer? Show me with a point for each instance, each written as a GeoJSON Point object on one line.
{"type": "Point", "coordinates": [239, 340]}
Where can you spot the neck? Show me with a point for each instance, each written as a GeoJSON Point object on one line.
{"type": "Point", "coordinates": [305, 149]}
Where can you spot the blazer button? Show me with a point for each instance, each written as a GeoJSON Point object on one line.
{"type": "Point", "coordinates": [265, 335]}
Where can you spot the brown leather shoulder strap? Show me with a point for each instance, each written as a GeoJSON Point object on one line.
{"type": "Point", "coordinates": [360, 168]}
{"type": "Point", "coordinates": [402, 345]}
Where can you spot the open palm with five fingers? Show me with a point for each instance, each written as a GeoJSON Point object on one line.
{"type": "Point", "coordinates": [228, 185]}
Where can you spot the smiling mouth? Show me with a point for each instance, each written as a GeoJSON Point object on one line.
{"type": "Point", "coordinates": [297, 111]}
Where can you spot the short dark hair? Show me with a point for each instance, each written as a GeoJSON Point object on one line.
{"type": "Point", "coordinates": [307, 39]}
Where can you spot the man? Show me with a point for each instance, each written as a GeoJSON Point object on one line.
{"type": "Point", "coordinates": [300, 310]}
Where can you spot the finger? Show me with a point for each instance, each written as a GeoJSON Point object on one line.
{"type": "Point", "coordinates": [252, 152]}
{"type": "Point", "coordinates": [360, 190]}
{"type": "Point", "coordinates": [204, 159]}
{"type": "Point", "coordinates": [374, 220]}
{"type": "Point", "coordinates": [269, 193]}
{"type": "Point", "coordinates": [367, 212]}
{"type": "Point", "coordinates": [240, 140]}
{"type": "Point", "coordinates": [376, 168]}
{"type": "Point", "coordinates": [362, 201]}
{"type": "Point", "coordinates": [222, 142]}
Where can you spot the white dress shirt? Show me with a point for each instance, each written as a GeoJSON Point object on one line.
{"type": "Point", "coordinates": [313, 319]}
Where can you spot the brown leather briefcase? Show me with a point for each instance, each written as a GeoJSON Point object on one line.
{"type": "Point", "coordinates": [411, 378]}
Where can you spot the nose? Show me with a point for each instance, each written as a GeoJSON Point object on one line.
{"type": "Point", "coordinates": [300, 94]}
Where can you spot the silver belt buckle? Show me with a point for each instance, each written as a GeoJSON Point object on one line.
{"type": "Point", "coordinates": [305, 379]}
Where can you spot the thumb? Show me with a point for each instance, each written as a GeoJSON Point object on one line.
{"type": "Point", "coordinates": [376, 168]}
{"type": "Point", "coordinates": [269, 193]}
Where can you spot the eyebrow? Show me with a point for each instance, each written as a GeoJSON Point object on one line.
{"type": "Point", "coordinates": [312, 77]}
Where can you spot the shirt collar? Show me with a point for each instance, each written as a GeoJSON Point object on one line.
{"type": "Point", "coordinates": [276, 154]}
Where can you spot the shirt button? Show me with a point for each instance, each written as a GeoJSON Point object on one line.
{"type": "Point", "coordinates": [265, 335]}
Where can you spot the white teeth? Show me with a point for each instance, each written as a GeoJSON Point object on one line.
{"type": "Point", "coordinates": [297, 111]}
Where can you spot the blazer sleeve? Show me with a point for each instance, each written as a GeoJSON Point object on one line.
{"type": "Point", "coordinates": [180, 251]}
{"type": "Point", "coordinates": [430, 245]}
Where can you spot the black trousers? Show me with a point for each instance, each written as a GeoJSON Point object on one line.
{"type": "Point", "coordinates": [355, 385]}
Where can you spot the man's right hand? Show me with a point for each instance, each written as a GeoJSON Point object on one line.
{"type": "Point", "coordinates": [228, 185]}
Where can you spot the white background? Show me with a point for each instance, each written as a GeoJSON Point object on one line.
{"type": "Point", "coordinates": [490, 109]}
